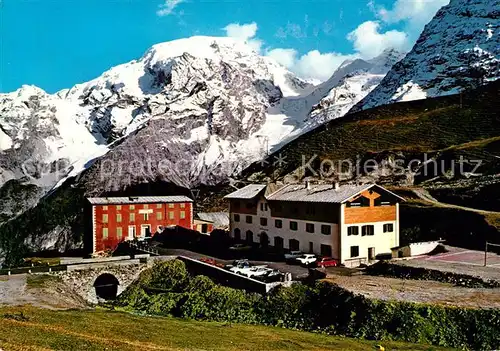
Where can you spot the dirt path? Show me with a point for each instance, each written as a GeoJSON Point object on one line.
{"type": "Point", "coordinates": [424, 195]}
{"type": "Point", "coordinates": [15, 291]}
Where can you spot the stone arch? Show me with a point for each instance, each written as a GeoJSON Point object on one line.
{"type": "Point", "coordinates": [83, 278]}
{"type": "Point", "coordinates": [106, 286]}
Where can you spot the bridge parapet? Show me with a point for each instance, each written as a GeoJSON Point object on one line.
{"type": "Point", "coordinates": [81, 278]}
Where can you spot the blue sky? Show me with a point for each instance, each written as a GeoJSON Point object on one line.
{"type": "Point", "coordinates": [55, 44]}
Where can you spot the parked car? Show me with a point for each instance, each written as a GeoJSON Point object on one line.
{"type": "Point", "coordinates": [256, 271]}
{"type": "Point", "coordinates": [239, 266]}
{"type": "Point", "coordinates": [273, 275]}
{"type": "Point", "coordinates": [240, 247]}
{"type": "Point", "coordinates": [327, 262]}
{"type": "Point", "coordinates": [211, 261]}
{"type": "Point", "coordinates": [289, 257]}
{"type": "Point", "coordinates": [239, 269]}
{"type": "Point", "coordinates": [306, 259]}
{"type": "Point", "coordinates": [243, 261]}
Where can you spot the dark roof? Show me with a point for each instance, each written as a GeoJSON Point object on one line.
{"type": "Point", "coordinates": [248, 192]}
{"type": "Point", "coordinates": [138, 199]}
{"type": "Point", "coordinates": [219, 219]}
{"type": "Point", "coordinates": [320, 193]}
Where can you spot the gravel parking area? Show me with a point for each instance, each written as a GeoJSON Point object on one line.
{"type": "Point", "coordinates": [458, 260]}
{"type": "Point", "coordinates": [383, 288]}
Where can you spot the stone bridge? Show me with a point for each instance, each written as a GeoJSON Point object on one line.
{"type": "Point", "coordinates": [101, 281]}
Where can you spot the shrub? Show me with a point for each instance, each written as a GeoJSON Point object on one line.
{"type": "Point", "coordinates": [320, 306]}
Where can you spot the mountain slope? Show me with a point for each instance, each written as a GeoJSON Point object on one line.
{"type": "Point", "coordinates": [435, 144]}
{"type": "Point", "coordinates": [193, 106]}
{"type": "Point", "coordinates": [191, 111]}
{"type": "Point", "coordinates": [352, 81]}
{"type": "Point", "coordinates": [458, 49]}
{"type": "Point", "coordinates": [441, 129]}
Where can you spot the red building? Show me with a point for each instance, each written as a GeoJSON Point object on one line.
{"type": "Point", "coordinates": [116, 219]}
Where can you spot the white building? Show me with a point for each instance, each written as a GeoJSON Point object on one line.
{"type": "Point", "coordinates": [352, 223]}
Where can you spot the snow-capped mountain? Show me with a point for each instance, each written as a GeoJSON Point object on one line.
{"type": "Point", "coordinates": [458, 49]}
{"type": "Point", "coordinates": [189, 111]}
{"type": "Point", "coordinates": [202, 97]}
{"type": "Point", "coordinates": [350, 83]}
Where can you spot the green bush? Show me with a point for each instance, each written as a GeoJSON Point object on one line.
{"type": "Point", "coordinates": [168, 289]}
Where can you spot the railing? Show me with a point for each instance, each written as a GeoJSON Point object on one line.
{"type": "Point", "coordinates": [144, 247]}
{"type": "Point", "coordinates": [355, 262]}
{"type": "Point", "coordinates": [35, 269]}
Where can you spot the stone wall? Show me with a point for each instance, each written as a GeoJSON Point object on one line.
{"type": "Point", "coordinates": [82, 280]}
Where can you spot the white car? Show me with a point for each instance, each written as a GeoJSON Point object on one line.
{"type": "Point", "coordinates": [306, 259]}
{"type": "Point", "coordinates": [257, 271]}
{"type": "Point", "coordinates": [240, 247]}
{"type": "Point", "coordinates": [240, 268]}
{"type": "Point", "coordinates": [293, 255]}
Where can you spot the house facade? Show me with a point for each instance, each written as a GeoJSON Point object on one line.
{"type": "Point", "coordinates": [352, 223]}
{"type": "Point", "coordinates": [116, 219]}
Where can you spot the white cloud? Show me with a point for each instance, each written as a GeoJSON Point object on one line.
{"type": "Point", "coordinates": [416, 12]}
{"type": "Point", "coordinates": [285, 57]}
{"type": "Point", "coordinates": [241, 31]}
{"type": "Point", "coordinates": [244, 32]}
{"type": "Point", "coordinates": [168, 7]}
{"type": "Point", "coordinates": [369, 42]}
{"type": "Point", "coordinates": [312, 65]}
{"type": "Point", "coordinates": [317, 65]}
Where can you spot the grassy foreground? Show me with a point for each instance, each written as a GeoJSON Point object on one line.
{"type": "Point", "coordinates": [29, 328]}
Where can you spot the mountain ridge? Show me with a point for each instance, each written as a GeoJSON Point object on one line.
{"type": "Point", "coordinates": [458, 49]}
{"type": "Point", "coordinates": [211, 105]}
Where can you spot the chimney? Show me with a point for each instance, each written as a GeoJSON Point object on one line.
{"type": "Point", "coordinates": [336, 185]}
{"type": "Point", "coordinates": [308, 184]}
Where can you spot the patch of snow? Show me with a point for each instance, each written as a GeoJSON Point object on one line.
{"type": "Point", "coordinates": [489, 32]}
{"type": "Point", "coordinates": [5, 141]}
{"type": "Point", "coordinates": [409, 91]}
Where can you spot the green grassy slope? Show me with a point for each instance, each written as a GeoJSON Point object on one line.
{"type": "Point", "coordinates": [443, 127]}
{"type": "Point", "coordinates": [27, 328]}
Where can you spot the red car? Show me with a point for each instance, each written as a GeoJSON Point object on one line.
{"type": "Point", "coordinates": [327, 262]}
